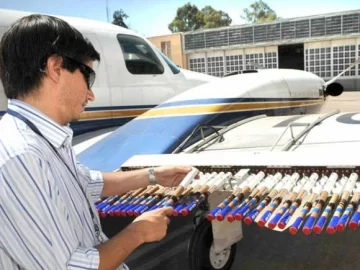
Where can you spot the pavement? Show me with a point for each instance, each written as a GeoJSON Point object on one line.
{"type": "Point", "coordinates": [346, 102]}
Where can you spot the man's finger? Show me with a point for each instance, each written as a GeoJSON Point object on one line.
{"type": "Point", "coordinates": [167, 211]}
{"type": "Point", "coordinates": [183, 169]}
{"type": "Point", "coordinates": [167, 220]}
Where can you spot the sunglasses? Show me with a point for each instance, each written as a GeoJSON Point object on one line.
{"type": "Point", "coordinates": [87, 72]}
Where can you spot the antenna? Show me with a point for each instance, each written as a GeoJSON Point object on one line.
{"type": "Point", "coordinates": [107, 11]}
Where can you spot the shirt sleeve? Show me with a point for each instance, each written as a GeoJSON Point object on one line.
{"type": "Point", "coordinates": [92, 180]}
{"type": "Point", "coordinates": [36, 232]}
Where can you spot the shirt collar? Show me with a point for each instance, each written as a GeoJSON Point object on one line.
{"type": "Point", "coordinates": [57, 135]}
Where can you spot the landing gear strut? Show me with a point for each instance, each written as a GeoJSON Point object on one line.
{"type": "Point", "coordinates": [201, 251]}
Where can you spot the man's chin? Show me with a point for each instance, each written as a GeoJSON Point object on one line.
{"type": "Point", "coordinates": [76, 119]}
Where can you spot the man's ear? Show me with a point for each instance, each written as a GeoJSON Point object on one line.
{"type": "Point", "coordinates": [53, 67]}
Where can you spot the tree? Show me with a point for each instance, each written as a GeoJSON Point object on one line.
{"type": "Point", "coordinates": [189, 18]}
{"type": "Point", "coordinates": [119, 17]}
{"type": "Point", "coordinates": [213, 18]}
{"type": "Point", "coordinates": [259, 12]}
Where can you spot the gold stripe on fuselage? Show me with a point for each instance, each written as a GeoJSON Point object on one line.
{"type": "Point", "coordinates": [227, 107]}
{"type": "Point", "coordinates": [90, 115]}
{"type": "Point", "coordinates": [197, 109]}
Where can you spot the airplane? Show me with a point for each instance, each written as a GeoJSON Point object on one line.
{"type": "Point", "coordinates": [222, 102]}
{"type": "Point", "coordinates": [132, 76]}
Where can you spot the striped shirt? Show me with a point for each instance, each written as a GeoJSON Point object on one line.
{"type": "Point", "coordinates": [45, 219]}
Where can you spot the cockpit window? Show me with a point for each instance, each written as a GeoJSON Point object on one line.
{"type": "Point", "coordinates": [139, 56]}
{"type": "Point", "coordinates": [174, 68]}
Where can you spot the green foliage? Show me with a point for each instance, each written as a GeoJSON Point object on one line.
{"type": "Point", "coordinates": [119, 16]}
{"type": "Point", "coordinates": [190, 18]}
{"type": "Point", "coordinates": [213, 18]}
{"type": "Point", "coordinates": [259, 12]}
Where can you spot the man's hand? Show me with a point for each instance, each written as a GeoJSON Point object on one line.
{"type": "Point", "coordinates": [152, 225]}
{"type": "Point", "coordinates": [171, 176]}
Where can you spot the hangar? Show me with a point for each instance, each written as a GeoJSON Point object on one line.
{"type": "Point", "coordinates": [323, 44]}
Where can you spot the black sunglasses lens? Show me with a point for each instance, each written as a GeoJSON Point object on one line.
{"type": "Point", "coordinates": [91, 79]}
{"type": "Point", "coordinates": [88, 73]}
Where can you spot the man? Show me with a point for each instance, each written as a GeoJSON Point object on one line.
{"type": "Point", "coordinates": [47, 214]}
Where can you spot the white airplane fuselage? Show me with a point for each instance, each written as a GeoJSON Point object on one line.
{"type": "Point", "coordinates": [132, 76]}
{"type": "Point", "coordinates": [163, 128]}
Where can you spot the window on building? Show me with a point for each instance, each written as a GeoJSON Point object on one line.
{"type": "Point", "coordinates": [351, 24]}
{"type": "Point", "coordinates": [139, 56]}
{"type": "Point", "coordinates": [343, 57]}
{"type": "Point", "coordinates": [197, 64]}
{"type": "Point", "coordinates": [271, 60]}
{"type": "Point", "coordinates": [234, 63]}
{"type": "Point", "coordinates": [217, 38]}
{"type": "Point", "coordinates": [359, 57]}
{"type": "Point", "coordinates": [215, 66]}
{"type": "Point", "coordinates": [194, 41]}
{"type": "Point", "coordinates": [254, 58]}
{"type": "Point", "coordinates": [166, 48]}
{"type": "Point", "coordinates": [318, 61]}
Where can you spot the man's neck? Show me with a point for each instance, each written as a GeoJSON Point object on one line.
{"type": "Point", "coordinates": [43, 105]}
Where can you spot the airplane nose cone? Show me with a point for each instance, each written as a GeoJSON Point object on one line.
{"type": "Point", "coordinates": [334, 89]}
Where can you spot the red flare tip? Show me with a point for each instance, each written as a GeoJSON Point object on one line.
{"type": "Point", "coordinates": [317, 229]}
{"type": "Point", "coordinates": [340, 227]}
{"type": "Point", "coordinates": [306, 230]}
{"type": "Point", "coordinates": [111, 213]}
{"type": "Point", "coordinates": [261, 223]}
{"type": "Point", "coordinates": [281, 225]}
{"type": "Point", "coordinates": [175, 213]}
{"type": "Point", "coordinates": [99, 211]}
{"type": "Point", "coordinates": [293, 230]}
{"type": "Point", "coordinates": [230, 218]}
{"type": "Point", "coordinates": [238, 216]}
{"type": "Point", "coordinates": [271, 225]}
{"type": "Point", "coordinates": [136, 213]}
{"type": "Point", "coordinates": [130, 213]}
{"type": "Point", "coordinates": [353, 225]}
{"type": "Point", "coordinates": [123, 213]}
{"type": "Point", "coordinates": [330, 230]}
{"type": "Point", "coordinates": [184, 212]}
{"type": "Point", "coordinates": [103, 214]}
{"type": "Point", "coordinates": [118, 213]}
{"type": "Point", "coordinates": [210, 217]}
{"type": "Point", "coordinates": [220, 217]}
{"type": "Point", "coordinates": [248, 220]}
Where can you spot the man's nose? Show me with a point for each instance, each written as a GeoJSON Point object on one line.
{"type": "Point", "coordinates": [90, 95]}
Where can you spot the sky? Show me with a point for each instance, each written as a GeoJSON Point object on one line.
{"type": "Point", "coordinates": [151, 17]}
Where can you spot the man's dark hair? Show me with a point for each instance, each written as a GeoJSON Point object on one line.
{"type": "Point", "coordinates": [26, 46]}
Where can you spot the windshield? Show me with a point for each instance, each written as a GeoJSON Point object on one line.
{"type": "Point", "coordinates": [174, 68]}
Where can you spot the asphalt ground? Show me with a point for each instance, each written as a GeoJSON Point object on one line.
{"type": "Point", "coordinates": [346, 102]}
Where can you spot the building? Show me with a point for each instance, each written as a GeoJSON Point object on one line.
{"type": "Point", "coordinates": [323, 44]}
{"type": "Point", "coordinates": [172, 46]}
